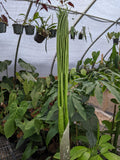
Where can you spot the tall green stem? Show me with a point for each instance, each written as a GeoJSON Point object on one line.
{"type": "Point", "coordinates": [62, 67]}
{"type": "Point", "coordinates": [18, 44]}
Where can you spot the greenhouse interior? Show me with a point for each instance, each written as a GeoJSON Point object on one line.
{"type": "Point", "coordinates": [59, 80]}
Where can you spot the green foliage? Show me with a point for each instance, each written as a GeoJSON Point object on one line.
{"type": "Point", "coordinates": [15, 112]}
{"type": "Point", "coordinates": [113, 35]}
{"type": "Point", "coordinates": [100, 151]}
{"type": "Point", "coordinates": [4, 65]}
{"type": "Point", "coordinates": [29, 151]}
{"type": "Point", "coordinates": [26, 66]}
{"type": "Point", "coordinates": [44, 28]}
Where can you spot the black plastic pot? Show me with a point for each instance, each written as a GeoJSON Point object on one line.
{"type": "Point", "coordinates": [2, 27]}
{"type": "Point", "coordinates": [80, 36]}
{"type": "Point", "coordinates": [72, 36]}
{"type": "Point", "coordinates": [18, 28]}
{"type": "Point", "coordinates": [39, 38]}
{"type": "Point", "coordinates": [115, 41]}
{"type": "Point", "coordinates": [29, 29]}
{"type": "Point", "coordinates": [52, 33]}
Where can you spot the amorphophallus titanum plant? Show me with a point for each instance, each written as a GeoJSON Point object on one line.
{"type": "Point", "coordinates": [62, 66]}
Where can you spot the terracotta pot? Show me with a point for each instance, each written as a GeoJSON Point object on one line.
{"type": "Point", "coordinates": [18, 28]}
{"type": "Point", "coordinates": [29, 29]}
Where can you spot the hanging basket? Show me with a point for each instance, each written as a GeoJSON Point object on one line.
{"type": "Point", "coordinates": [52, 33]}
{"type": "Point", "coordinates": [18, 28]}
{"type": "Point", "coordinates": [115, 41]}
{"type": "Point", "coordinates": [80, 36]}
{"type": "Point", "coordinates": [2, 27]}
{"type": "Point", "coordinates": [39, 38]}
{"type": "Point", "coordinates": [29, 29]}
{"type": "Point", "coordinates": [72, 35]}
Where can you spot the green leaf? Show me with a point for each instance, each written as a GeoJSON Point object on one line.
{"type": "Point", "coordinates": [83, 72]}
{"type": "Point", "coordinates": [95, 56]}
{"type": "Point", "coordinates": [77, 152]}
{"type": "Point", "coordinates": [51, 133]}
{"type": "Point", "coordinates": [87, 61]}
{"type": "Point", "coordinates": [20, 142]}
{"type": "Point", "coordinates": [91, 127]}
{"type": "Point", "coordinates": [79, 107]}
{"type": "Point", "coordinates": [38, 125]}
{"type": "Point", "coordinates": [105, 147]}
{"type": "Point", "coordinates": [21, 110]}
{"type": "Point", "coordinates": [98, 93]}
{"type": "Point", "coordinates": [97, 157]}
{"type": "Point", "coordinates": [85, 156]}
{"type": "Point", "coordinates": [29, 151]}
{"type": "Point", "coordinates": [5, 86]}
{"type": "Point", "coordinates": [28, 76]}
{"type": "Point", "coordinates": [9, 128]}
{"type": "Point", "coordinates": [112, 90]}
{"type": "Point", "coordinates": [35, 97]}
{"type": "Point", "coordinates": [90, 87]}
{"type": "Point", "coordinates": [117, 117]}
{"type": "Point", "coordinates": [52, 111]}
{"type": "Point", "coordinates": [107, 124]}
{"type": "Point", "coordinates": [104, 139]}
{"type": "Point", "coordinates": [111, 156]}
{"type": "Point", "coordinates": [71, 108]}
{"type": "Point", "coordinates": [57, 156]}
{"type": "Point", "coordinates": [4, 65]}
{"type": "Point", "coordinates": [27, 127]}
{"type": "Point", "coordinates": [91, 138]}
{"type": "Point", "coordinates": [12, 98]}
{"type": "Point", "coordinates": [28, 86]}
{"type": "Point", "coordinates": [36, 138]}
{"type": "Point", "coordinates": [36, 15]}
{"type": "Point", "coordinates": [114, 101]}
{"type": "Point", "coordinates": [26, 66]}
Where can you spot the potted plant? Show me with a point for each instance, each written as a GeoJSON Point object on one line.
{"type": "Point", "coordinates": [52, 33]}
{"type": "Point", "coordinates": [43, 31]}
{"type": "Point", "coordinates": [80, 35]}
{"type": "Point", "coordinates": [3, 23]}
{"type": "Point", "coordinates": [29, 28]}
{"type": "Point", "coordinates": [115, 36]}
{"type": "Point", "coordinates": [73, 32]}
{"type": "Point", "coordinates": [18, 26]}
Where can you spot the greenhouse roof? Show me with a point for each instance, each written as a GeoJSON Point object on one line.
{"type": "Point", "coordinates": [97, 17]}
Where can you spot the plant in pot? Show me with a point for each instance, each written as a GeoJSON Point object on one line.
{"type": "Point", "coordinates": [115, 36]}
{"type": "Point", "coordinates": [18, 26]}
{"type": "Point", "coordinates": [43, 31]}
{"type": "Point", "coordinates": [73, 32]}
{"type": "Point", "coordinates": [29, 28]}
{"type": "Point", "coordinates": [52, 33]}
{"type": "Point", "coordinates": [3, 23]}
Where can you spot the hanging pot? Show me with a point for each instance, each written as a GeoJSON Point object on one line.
{"type": "Point", "coordinates": [72, 35]}
{"type": "Point", "coordinates": [52, 33]}
{"type": "Point", "coordinates": [2, 27]}
{"type": "Point", "coordinates": [18, 28]}
{"type": "Point", "coordinates": [39, 38]}
{"type": "Point", "coordinates": [115, 41]}
{"type": "Point", "coordinates": [80, 36]}
{"type": "Point", "coordinates": [29, 29]}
